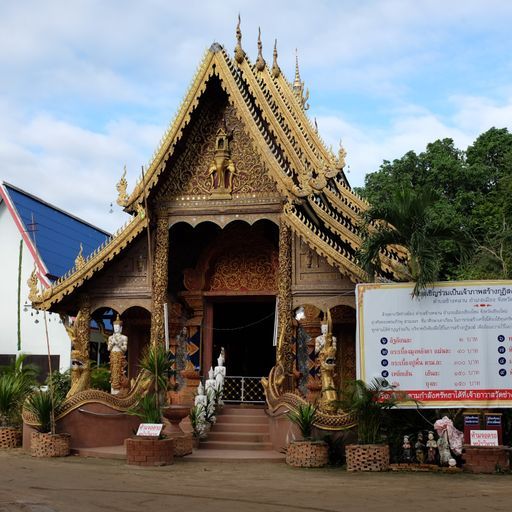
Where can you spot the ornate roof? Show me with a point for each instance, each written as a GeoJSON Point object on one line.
{"type": "Point", "coordinates": [320, 206]}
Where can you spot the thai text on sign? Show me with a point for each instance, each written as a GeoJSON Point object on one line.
{"type": "Point", "coordinates": [484, 438]}
{"type": "Point", "coordinates": [449, 347]}
{"type": "Point", "coordinates": [150, 429]}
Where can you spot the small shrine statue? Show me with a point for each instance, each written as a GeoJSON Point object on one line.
{"type": "Point", "coordinates": [406, 450]}
{"type": "Point", "coordinates": [419, 448]}
{"type": "Point", "coordinates": [431, 448]}
{"type": "Point", "coordinates": [320, 340]}
{"type": "Point", "coordinates": [117, 346]}
{"type": "Point", "coordinates": [220, 373]}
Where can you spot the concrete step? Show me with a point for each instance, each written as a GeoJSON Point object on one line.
{"type": "Point", "coordinates": [243, 411]}
{"type": "Point", "coordinates": [234, 445]}
{"type": "Point", "coordinates": [252, 437]}
{"type": "Point", "coordinates": [240, 427]}
{"type": "Point", "coordinates": [245, 418]}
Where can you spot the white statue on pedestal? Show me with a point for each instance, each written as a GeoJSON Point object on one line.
{"type": "Point", "coordinates": [117, 346]}
{"type": "Point", "coordinates": [320, 340]}
{"type": "Point", "coordinates": [220, 375]}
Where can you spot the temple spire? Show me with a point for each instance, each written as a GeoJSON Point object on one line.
{"type": "Point", "coordinates": [260, 61]}
{"type": "Point", "coordinates": [298, 85]}
{"type": "Point", "coordinates": [276, 71]}
{"type": "Point", "coordinates": [239, 52]}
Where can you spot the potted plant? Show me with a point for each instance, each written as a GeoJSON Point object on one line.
{"type": "Point", "coordinates": [16, 383]}
{"type": "Point", "coordinates": [369, 403]}
{"type": "Point", "coordinates": [45, 442]}
{"type": "Point", "coordinates": [197, 421]}
{"type": "Point", "coordinates": [145, 450]}
{"type": "Point", "coordinates": [306, 453]}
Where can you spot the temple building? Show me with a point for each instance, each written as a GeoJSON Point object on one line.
{"type": "Point", "coordinates": [30, 231]}
{"type": "Point", "coordinates": [243, 236]}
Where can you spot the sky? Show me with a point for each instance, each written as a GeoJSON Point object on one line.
{"type": "Point", "coordinates": [88, 86]}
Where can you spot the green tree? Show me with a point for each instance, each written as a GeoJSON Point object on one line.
{"type": "Point", "coordinates": [407, 220]}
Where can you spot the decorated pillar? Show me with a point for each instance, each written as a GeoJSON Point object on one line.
{"type": "Point", "coordinates": [79, 333]}
{"type": "Point", "coordinates": [159, 279]}
{"type": "Point", "coordinates": [285, 354]}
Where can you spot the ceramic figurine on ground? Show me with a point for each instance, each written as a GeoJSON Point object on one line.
{"type": "Point", "coordinates": [420, 448]}
{"type": "Point", "coordinates": [431, 448]}
{"type": "Point", "coordinates": [406, 450]}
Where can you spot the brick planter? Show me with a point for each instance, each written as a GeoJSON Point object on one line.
{"type": "Point", "coordinates": [485, 459]}
{"type": "Point", "coordinates": [148, 451]}
{"type": "Point", "coordinates": [10, 437]}
{"type": "Point", "coordinates": [49, 445]}
{"type": "Point", "coordinates": [307, 454]}
{"type": "Point", "coordinates": [367, 457]}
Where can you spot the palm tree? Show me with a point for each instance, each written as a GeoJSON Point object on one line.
{"type": "Point", "coordinates": [407, 221]}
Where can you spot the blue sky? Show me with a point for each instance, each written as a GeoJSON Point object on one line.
{"type": "Point", "coordinates": [88, 86]}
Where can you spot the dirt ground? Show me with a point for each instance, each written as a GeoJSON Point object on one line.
{"type": "Point", "coordinates": [77, 484]}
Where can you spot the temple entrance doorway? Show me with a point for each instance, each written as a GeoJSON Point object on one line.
{"type": "Point", "coordinates": [245, 328]}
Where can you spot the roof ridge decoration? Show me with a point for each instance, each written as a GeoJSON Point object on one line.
{"type": "Point", "coordinates": [260, 61]}
{"type": "Point", "coordinates": [122, 185]}
{"type": "Point", "coordinates": [276, 70]}
{"type": "Point", "coordinates": [298, 85]}
{"type": "Point", "coordinates": [239, 52]}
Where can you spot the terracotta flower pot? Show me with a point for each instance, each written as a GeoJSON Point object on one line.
{"type": "Point", "coordinates": [367, 457]}
{"type": "Point", "coordinates": [149, 451]}
{"type": "Point", "coordinates": [10, 437]}
{"type": "Point", "coordinates": [49, 445]}
{"type": "Point", "coordinates": [307, 454]}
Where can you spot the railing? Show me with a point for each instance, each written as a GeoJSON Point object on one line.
{"type": "Point", "coordinates": [243, 390]}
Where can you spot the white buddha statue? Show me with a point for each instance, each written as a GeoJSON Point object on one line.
{"type": "Point", "coordinates": [117, 346]}
{"type": "Point", "coordinates": [320, 340]}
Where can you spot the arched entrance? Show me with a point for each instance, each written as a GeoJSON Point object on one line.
{"type": "Point", "coordinates": [228, 283]}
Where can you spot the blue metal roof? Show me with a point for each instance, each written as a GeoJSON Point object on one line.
{"type": "Point", "coordinates": [56, 234]}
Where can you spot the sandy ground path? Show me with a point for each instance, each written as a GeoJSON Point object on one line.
{"type": "Point", "coordinates": [76, 484]}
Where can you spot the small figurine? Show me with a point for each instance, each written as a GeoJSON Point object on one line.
{"type": "Point", "coordinates": [420, 448]}
{"type": "Point", "coordinates": [406, 450]}
{"type": "Point", "coordinates": [431, 448]}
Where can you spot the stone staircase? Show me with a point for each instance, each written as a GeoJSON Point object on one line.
{"type": "Point", "coordinates": [239, 428]}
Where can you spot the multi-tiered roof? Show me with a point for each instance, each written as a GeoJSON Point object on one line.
{"type": "Point", "coordinates": [319, 204]}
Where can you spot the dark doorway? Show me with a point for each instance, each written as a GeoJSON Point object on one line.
{"type": "Point", "coordinates": [245, 328]}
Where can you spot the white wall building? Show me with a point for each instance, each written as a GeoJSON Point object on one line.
{"type": "Point", "coordinates": [36, 235]}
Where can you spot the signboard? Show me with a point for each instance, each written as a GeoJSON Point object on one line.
{"type": "Point", "coordinates": [484, 438]}
{"type": "Point", "coordinates": [450, 347]}
{"type": "Point", "coordinates": [150, 429]}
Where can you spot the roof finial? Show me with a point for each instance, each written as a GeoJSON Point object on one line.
{"type": "Point", "coordinates": [298, 85]}
{"type": "Point", "coordinates": [239, 52]}
{"type": "Point", "coordinates": [260, 61]}
{"type": "Point", "coordinates": [276, 71]}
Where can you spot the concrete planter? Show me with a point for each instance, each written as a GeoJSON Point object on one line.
{"type": "Point", "coordinates": [149, 451]}
{"type": "Point", "coordinates": [307, 454]}
{"type": "Point", "coordinates": [367, 457]}
{"type": "Point", "coordinates": [49, 445]}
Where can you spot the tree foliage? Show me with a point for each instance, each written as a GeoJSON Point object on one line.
{"type": "Point", "coordinates": [472, 188]}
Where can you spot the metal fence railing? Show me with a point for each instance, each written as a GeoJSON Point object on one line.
{"type": "Point", "coordinates": [243, 390]}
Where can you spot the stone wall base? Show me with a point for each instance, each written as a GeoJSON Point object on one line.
{"type": "Point", "coordinates": [486, 459]}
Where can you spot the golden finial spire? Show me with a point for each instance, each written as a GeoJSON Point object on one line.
{"type": "Point", "coordinates": [122, 198]}
{"type": "Point", "coordinates": [80, 260]}
{"type": "Point", "coordinates": [298, 85]}
{"type": "Point", "coordinates": [239, 52]}
{"type": "Point", "coordinates": [260, 61]}
{"type": "Point", "coordinates": [276, 71]}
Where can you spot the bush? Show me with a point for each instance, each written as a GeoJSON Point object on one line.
{"type": "Point", "coordinates": [304, 418]}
